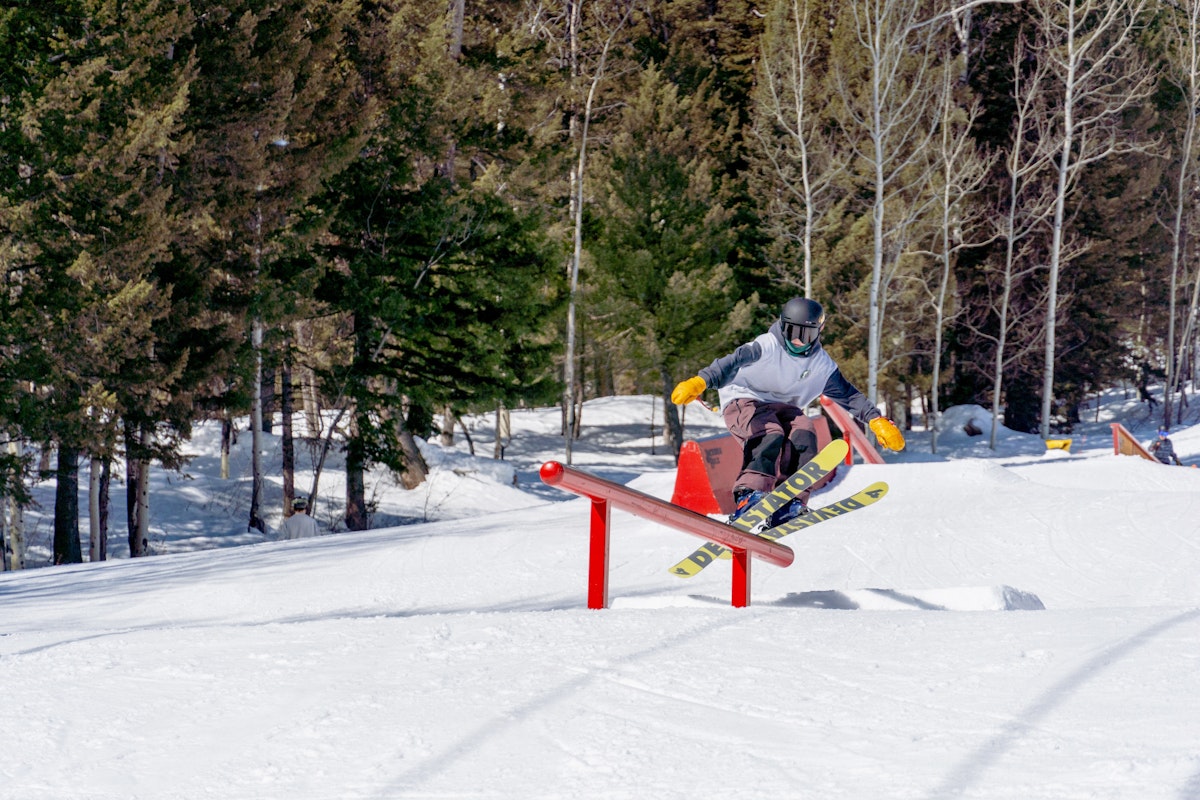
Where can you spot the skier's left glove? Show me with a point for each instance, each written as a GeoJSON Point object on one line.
{"type": "Point", "coordinates": [887, 433]}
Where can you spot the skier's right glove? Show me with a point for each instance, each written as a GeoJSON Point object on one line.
{"type": "Point", "coordinates": [887, 433]}
{"type": "Point", "coordinates": [688, 390]}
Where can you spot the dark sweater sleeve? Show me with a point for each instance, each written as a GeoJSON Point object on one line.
{"type": "Point", "coordinates": [722, 370]}
{"type": "Point", "coordinates": [842, 392]}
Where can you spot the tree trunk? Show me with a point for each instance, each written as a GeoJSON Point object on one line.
{"type": "Point", "coordinates": [415, 469]}
{"type": "Point", "coordinates": [467, 437]}
{"type": "Point", "coordinates": [268, 399]}
{"type": "Point", "coordinates": [67, 547]}
{"type": "Point", "coordinates": [136, 543]}
{"type": "Point", "coordinates": [14, 522]}
{"type": "Point", "coordinates": [98, 479]}
{"type": "Point", "coordinates": [447, 427]}
{"type": "Point", "coordinates": [105, 505]}
{"type": "Point", "coordinates": [227, 435]}
{"type": "Point", "coordinates": [308, 386]}
{"type": "Point", "coordinates": [256, 417]}
{"type": "Point", "coordinates": [287, 443]}
{"type": "Point", "coordinates": [137, 492]}
{"type": "Point", "coordinates": [503, 431]}
{"type": "Point", "coordinates": [356, 495]}
{"type": "Point", "coordinates": [672, 426]}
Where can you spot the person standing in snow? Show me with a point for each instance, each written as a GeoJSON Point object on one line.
{"type": "Point", "coordinates": [1163, 450]}
{"type": "Point", "coordinates": [764, 387]}
{"type": "Point", "coordinates": [299, 525]}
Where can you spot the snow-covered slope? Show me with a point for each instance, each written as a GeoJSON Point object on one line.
{"type": "Point", "coordinates": [1023, 625]}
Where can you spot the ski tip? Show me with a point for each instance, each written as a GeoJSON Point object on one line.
{"type": "Point", "coordinates": [839, 446]}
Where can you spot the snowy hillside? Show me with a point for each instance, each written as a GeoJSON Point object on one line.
{"type": "Point", "coordinates": [1008, 624]}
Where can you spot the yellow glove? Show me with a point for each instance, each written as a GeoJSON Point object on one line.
{"type": "Point", "coordinates": [887, 433]}
{"type": "Point", "coordinates": [688, 390]}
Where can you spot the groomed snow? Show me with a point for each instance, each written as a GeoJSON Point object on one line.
{"type": "Point", "coordinates": [1017, 623]}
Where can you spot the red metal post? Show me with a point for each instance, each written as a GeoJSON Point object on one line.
{"type": "Point", "coordinates": [598, 556]}
{"type": "Point", "coordinates": [741, 579]}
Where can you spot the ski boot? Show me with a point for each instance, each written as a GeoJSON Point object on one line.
{"type": "Point", "coordinates": [795, 508]}
{"type": "Point", "coordinates": [744, 499]}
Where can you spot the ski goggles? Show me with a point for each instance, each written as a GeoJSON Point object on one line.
{"type": "Point", "coordinates": [804, 334]}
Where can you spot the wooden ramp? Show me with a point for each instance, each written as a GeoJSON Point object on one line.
{"type": "Point", "coordinates": [1126, 444]}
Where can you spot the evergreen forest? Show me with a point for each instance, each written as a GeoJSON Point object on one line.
{"type": "Point", "coordinates": [381, 215]}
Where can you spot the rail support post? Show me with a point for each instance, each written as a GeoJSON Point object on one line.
{"type": "Point", "coordinates": [741, 578]}
{"type": "Point", "coordinates": [598, 555]}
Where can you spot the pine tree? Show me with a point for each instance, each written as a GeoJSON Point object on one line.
{"type": "Point", "coordinates": [445, 291]}
{"type": "Point", "coordinates": [280, 109]}
{"type": "Point", "coordinates": [99, 130]}
{"type": "Point", "coordinates": [664, 235]}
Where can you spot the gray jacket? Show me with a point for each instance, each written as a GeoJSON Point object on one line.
{"type": "Point", "coordinates": [298, 526]}
{"type": "Point", "coordinates": [763, 369]}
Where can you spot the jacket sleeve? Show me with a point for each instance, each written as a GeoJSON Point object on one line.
{"type": "Point", "coordinates": [844, 393]}
{"type": "Point", "coordinates": [722, 370]}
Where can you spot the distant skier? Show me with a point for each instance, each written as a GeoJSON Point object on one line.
{"type": "Point", "coordinates": [299, 525]}
{"type": "Point", "coordinates": [1163, 450]}
{"type": "Point", "coordinates": [764, 387]}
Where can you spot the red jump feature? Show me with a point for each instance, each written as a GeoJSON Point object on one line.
{"type": "Point", "coordinates": [602, 492]}
{"type": "Point", "coordinates": [708, 468]}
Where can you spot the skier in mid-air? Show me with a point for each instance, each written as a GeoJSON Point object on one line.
{"type": "Point", "coordinates": [764, 387]}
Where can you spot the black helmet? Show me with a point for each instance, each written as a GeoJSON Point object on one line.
{"type": "Point", "coordinates": [801, 321]}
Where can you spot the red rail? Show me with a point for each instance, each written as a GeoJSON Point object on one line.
{"type": "Point", "coordinates": [601, 492]}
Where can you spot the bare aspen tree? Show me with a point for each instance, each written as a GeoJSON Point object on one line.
{"type": "Point", "coordinates": [610, 25]}
{"type": "Point", "coordinates": [1025, 206]}
{"type": "Point", "coordinates": [1183, 70]}
{"type": "Point", "coordinates": [790, 130]}
{"type": "Point", "coordinates": [887, 86]}
{"type": "Point", "coordinates": [961, 172]}
{"type": "Point", "coordinates": [1087, 46]}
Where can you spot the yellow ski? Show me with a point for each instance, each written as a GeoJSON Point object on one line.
{"type": "Point", "coordinates": [710, 551]}
{"type": "Point", "coordinates": [759, 516]}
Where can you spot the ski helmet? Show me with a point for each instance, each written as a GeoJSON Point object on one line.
{"type": "Point", "coordinates": [801, 321]}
